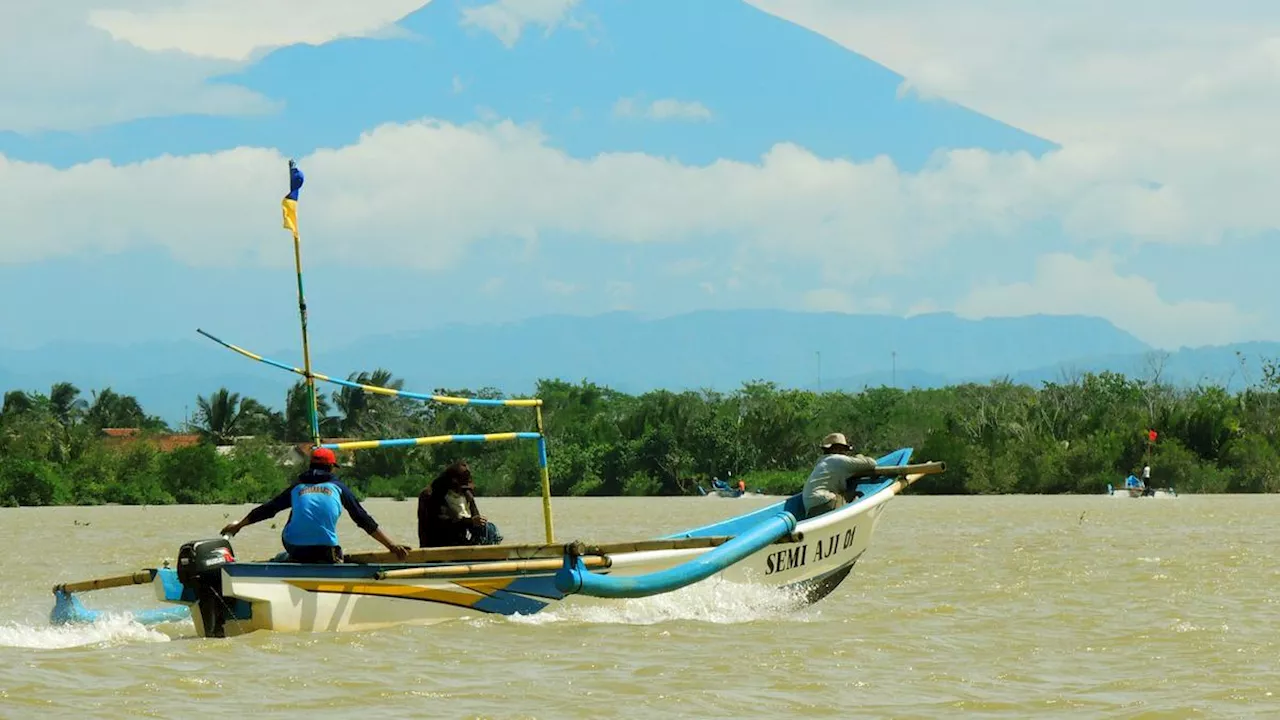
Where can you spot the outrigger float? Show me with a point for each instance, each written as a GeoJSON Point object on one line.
{"type": "Point", "coordinates": [225, 597]}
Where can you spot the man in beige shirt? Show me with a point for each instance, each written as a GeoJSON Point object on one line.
{"type": "Point", "coordinates": [826, 488]}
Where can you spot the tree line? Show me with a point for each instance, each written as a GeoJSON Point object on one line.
{"type": "Point", "coordinates": [1072, 436]}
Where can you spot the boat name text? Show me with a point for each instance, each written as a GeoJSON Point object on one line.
{"type": "Point", "coordinates": [794, 557]}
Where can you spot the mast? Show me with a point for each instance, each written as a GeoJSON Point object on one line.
{"type": "Point", "coordinates": [290, 208]}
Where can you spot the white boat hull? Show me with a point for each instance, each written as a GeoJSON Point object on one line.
{"type": "Point", "coordinates": [288, 597]}
{"type": "Point", "coordinates": [1159, 493]}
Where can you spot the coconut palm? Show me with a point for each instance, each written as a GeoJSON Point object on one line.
{"type": "Point", "coordinates": [66, 404]}
{"type": "Point", "coordinates": [111, 409]}
{"type": "Point", "coordinates": [218, 417]}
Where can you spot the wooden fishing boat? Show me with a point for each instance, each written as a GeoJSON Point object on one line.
{"type": "Point", "coordinates": [224, 596]}
{"type": "Point", "coordinates": [773, 546]}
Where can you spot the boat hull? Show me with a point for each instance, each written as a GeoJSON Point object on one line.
{"type": "Point", "coordinates": [811, 561]}
{"type": "Point", "coordinates": [1158, 493]}
{"type": "Point", "coordinates": [288, 597]}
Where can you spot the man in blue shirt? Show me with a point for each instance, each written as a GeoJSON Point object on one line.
{"type": "Point", "coordinates": [315, 501]}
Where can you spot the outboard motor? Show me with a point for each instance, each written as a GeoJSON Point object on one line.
{"type": "Point", "coordinates": [200, 571]}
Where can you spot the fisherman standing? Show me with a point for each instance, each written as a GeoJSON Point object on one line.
{"type": "Point", "coordinates": [828, 484]}
{"type": "Point", "coordinates": [316, 500]}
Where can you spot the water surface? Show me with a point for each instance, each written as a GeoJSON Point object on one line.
{"type": "Point", "coordinates": [1007, 607]}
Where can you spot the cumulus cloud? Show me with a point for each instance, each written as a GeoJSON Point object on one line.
{"type": "Point", "coordinates": [507, 19]}
{"type": "Point", "coordinates": [664, 109]}
{"type": "Point", "coordinates": [503, 180]}
{"type": "Point", "coordinates": [835, 300]}
{"type": "Point", "coordinates": [59, 73]}
{"type": "Point", "coordinates": [1069, 285]}
{"type": "Point", "coordinates": [1179, 92]}
{"type": "Point", "coordinates": [235, 29]}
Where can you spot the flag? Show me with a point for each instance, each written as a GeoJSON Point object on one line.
{"type": "Point", "coordinates": [289, 205]}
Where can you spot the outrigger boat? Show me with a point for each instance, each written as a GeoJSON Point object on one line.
{"type": "Point", "coordinates": [226, 597]}
{"type": "Point", "coordinates": [720, 488]}
{"type": "Point", "coordinates": [1135, 488]}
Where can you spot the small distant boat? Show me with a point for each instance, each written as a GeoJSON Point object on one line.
{"type": "Point", "coordinates": [1135, 488]}
{"type": "Point", "coordinates": [720, 488]}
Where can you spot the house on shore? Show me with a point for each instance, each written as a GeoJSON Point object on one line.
{"type": "Point", "coordinates": [286, 454]}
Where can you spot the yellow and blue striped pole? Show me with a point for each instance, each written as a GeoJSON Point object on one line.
{"type": "Point", "coordinates": [290, 208]}
{"type": "Point", "coordinates": [376, 389]}
{"type": "Point", "coordinates": [431, 440]}
{"type": "Point", "coordinates": [546, 477]}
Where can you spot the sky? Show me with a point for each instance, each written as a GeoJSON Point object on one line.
{"type": "Point", "coordinates": [488, 160]}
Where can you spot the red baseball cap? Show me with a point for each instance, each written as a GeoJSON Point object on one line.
{"type": "Point", "coordinates": [323, 456]}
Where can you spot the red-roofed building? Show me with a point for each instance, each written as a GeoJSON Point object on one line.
{"type": "Point", "coordinates": [164, 442]}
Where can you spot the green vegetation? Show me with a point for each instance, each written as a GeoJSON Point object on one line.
{"type": "Point", "coordinates": [1074, 436]}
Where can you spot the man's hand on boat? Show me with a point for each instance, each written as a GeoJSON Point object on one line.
{"type": "Point", "coordinates": [401, 551]}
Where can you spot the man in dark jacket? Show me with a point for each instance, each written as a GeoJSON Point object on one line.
{"type": "Point", "coordinates": [447, 512]}
{"type": "Point", "coordinates": [316, 501]}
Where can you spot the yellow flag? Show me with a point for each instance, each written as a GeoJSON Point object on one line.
{"type": "Point", "coordinates": [290, 208]}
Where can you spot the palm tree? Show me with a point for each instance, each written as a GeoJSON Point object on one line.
{"type": "Point", "coordinates": [111, 409]}
{"type": "Point", "coordinates": [297, 414]}
{"type": "Point", "coordinates": [66, 404]}
{"type": "Point", "coordinates": [364, 412]}
{"type": "Point", "coordinates": [17, 402]}
{"type": "Point", "coordinates": [219, 415]}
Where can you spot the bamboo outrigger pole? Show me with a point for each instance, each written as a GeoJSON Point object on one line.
{"type": "Point", "coordinates": [290, 208]}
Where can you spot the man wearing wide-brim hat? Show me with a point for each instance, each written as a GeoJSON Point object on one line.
{"type": "Point", "coordinates": [828, 484]}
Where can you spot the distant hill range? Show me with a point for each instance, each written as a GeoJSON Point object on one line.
{"type": "Point", "coordinates": [713, 349]}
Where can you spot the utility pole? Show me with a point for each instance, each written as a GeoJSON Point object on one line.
{"type": "Point", "coordinates": [819, 354]}
{"type": "Point", "coordinates": [895, 369]}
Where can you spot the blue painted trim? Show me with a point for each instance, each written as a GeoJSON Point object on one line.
{"type": "Point", "coordinates": [575, 578]}
{"type": "Point", "coordinates": [67, 609]}
{"type": "Point", "coordinates": [543, 586]}
{"type": "Point", "coordinates": [542, 451]}
{"type": "Point", "coordinates": [505, 603]}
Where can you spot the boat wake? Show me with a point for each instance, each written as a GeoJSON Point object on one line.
{"type": "Point", "coordinates": [717, 602]}
{"type": "Point", "coordinates": [107, 631]}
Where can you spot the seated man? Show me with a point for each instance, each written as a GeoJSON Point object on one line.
{"type": "Point", "coordinates": [315, 501]}
{"type": "Point", "coordinates": [447, 512]}
{"type": "Point", "coordinates": [828, 484]}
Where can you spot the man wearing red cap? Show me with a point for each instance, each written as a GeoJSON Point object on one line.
{"type": "Point", "coordinates": [316, 500]}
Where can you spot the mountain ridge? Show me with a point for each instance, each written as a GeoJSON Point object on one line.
{"type": "Point", "coordinates": [632, 353]}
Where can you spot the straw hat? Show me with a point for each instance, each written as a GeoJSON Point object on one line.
{"type": "Point", "coordinates": [834, 439]}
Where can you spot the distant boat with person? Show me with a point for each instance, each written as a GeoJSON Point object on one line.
{"type": "Point", "coordinates": [1135, 488]}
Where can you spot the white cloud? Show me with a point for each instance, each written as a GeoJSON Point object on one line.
{"type": "Point", "coordinates": [560, 287]}
{"type": "Point", "coordinates": [664, 109]}
{"type": "Point", "coordinates": [1068, 285]}
{"type": "Point", "coordinates": [504, 181]}
{"type": "Point", "coordinates": [236, 29]}
{"type": "Point", "coordinates": [507, 19]}
{"type": "Point", "coordinates": [57, 72]}
{"type": "Point", "coordinates": [828, 300]}
{"type": "Point", "coordinates": [670, 109]}
{"type": "Point", "coordinates": [1182, 92]}
{"type": "Point", "coordinates": [835, 300]}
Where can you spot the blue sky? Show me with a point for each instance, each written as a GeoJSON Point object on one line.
{"type": "Point", "coordinates": [486, 160]}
